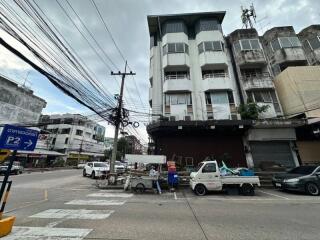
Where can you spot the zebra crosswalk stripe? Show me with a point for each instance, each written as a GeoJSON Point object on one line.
{"type": "Point", "coordinates": [95, 202]}
{"type": "Point", "coordinates": [44, 233]}
{"type": "Point", "coordinates": [111, 195]}
{"type": "Point", "coordinates": [74, 214]}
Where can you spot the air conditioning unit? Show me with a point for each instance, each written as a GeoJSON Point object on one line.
{"type": "Point", "coordinates": [172, 118]}
{"type": "Point", "coordinates": [187, 118]}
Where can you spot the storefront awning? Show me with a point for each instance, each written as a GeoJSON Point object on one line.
{"type": "Point", "coordinates": [41, 152]}
{"type": "Point", "coordinates": [88, 154]}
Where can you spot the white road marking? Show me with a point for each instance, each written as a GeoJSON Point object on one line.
{"type": "Point", "coordinates": [96, 202]}
{"type": "Point", "coordinates": [53, 224]}
{"type": "Point", "coordinates": [275, 195]}
{"type": "Point", "coordinates": [74, 214]}
{"type": "Point", "coordinates": [175, 196]}
{"type": "Point", "coordinates": [111, 195]}
{"type": "Point", "coordinates": [45, 233]}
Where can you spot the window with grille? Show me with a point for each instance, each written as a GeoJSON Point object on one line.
{"type": "Point", "coordinates": [285, 42]}
{"type": "Point", "coordinates": [175, 48]}
{"type": "Point", "coordinates": [178, 99]}
{"type": "Point", "coordinates": [210, 46]}
{"type": "Point", "coordinates": [247, 45]}
{"type": "Point", "coordinates": [314, 42]}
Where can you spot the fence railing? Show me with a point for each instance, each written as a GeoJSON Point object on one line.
{"type": "Point", "coordinates": [215, 75]}
{"type": "Point", "coordinates": [177, 77]}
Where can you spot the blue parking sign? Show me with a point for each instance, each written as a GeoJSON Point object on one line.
{"type": "Point", "coordinates": [18, 138]}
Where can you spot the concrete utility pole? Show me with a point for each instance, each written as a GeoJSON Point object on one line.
{"type": "Point", "coordinates": [118, 118]}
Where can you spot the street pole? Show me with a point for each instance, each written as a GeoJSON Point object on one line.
{"type": "Point", "coordinates": [118, 118]}
{"type": "Point", "coordinates": [80, 150]}
{"type": "Point", "coordinates": [7, 174]}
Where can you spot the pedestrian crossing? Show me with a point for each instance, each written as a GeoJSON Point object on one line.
{"type": "Point", "coordinates": [95, 202]}
{"type": "Point", "coordinates": [59, 215]}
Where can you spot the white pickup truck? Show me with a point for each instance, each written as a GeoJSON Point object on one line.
{"type": "Point", "coordinates": [208, 178]}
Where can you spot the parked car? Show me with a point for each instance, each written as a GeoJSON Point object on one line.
{"type": "Point", "coordinates": [16, 169]}
{"type": "Point", "coordinates": [119, 167]}
{"type": "Point", "coordinates": [96, 169]}
{"type": "Point", "coordinates": [81, 165]}
{"type": "Point", "coordinates": [302, 179]}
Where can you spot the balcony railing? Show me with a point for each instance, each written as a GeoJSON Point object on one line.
{"type": "Point", "coordinates": [215, 75]}
{"type": "Point", "coordinates": [177, 77]}
{"type": "Point", "coordinates": [258, 83]}
{"type": "Point", "coordinates": [249, 76]}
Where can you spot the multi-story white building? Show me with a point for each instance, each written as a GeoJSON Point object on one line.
{"type": "Point", "coordinates": [191, 74]}
{"type": "Point", "coordinates": [199, 78]}
{"type": "Point", "coordinates": [75, 135]}
{"type": "Point", "coordinates": [18, 104]}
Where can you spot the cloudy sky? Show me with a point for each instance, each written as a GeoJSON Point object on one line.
{"type": "Point", "coordinates": [127, 22]}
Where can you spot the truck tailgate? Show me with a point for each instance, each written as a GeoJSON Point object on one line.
{"type": "Point", "coordinates": [240, 180]}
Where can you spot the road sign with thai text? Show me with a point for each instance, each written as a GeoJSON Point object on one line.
{"type": "Point", "coordinates": [18, 138]}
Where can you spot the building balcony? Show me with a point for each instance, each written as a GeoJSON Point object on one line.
{"type": "Point", "coordinates": [250, 58]}
{"type": "Point", "coordinates": [213, 59]}
{"type": "Point", "coordinates": [176, 61]}
{"type": "Point", "coordinates": [177, 83]}
{"type": "Point", "coordinates": [216, 81]}
{"type": "Point", "coordinates": [284, 55]}
{"type": "Point", "coordinates": [257, 81]}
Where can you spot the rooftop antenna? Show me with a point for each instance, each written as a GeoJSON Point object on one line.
{"type": "Point", "coordinates": [247, 15]}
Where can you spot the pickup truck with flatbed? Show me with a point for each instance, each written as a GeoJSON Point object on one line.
{"type": "Point", "coordinates": [208, 178]}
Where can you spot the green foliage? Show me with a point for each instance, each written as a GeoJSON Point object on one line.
{"type": "Point", "coordinates": [251, 110]}
{"type": "Point", "coordinates": [58, 163]}
{"type": "Point", "coordinates": [123, 148]}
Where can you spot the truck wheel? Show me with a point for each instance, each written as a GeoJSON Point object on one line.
{"type": "Point", "coordinates": [16, 172]}
{"type": "Point", "coordinates": [247, 189]}
{"type": "Point", "coordinates": [139, 188]}
{"type": "Point", "coordinates": [200, 190]}
{"type": "Point", "coordinates": [312, 189]}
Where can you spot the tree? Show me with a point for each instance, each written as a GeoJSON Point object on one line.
{"type": "Point", "coordinates": [123, 148]}
{"type": "Point", "coordinates": [251, 110]}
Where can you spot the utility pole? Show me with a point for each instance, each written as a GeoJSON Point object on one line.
{"type": "Point", "coordinates": [118, 117]}
{"type": "Point", "coordinates": [80, 150]}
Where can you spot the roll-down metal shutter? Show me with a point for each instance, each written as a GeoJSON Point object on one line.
{"type": "Point", "coordinates": [278, 152]}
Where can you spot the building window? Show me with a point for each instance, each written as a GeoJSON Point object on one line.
{"type": "Point", "coordinates": [208, 98]}
{"type": "Point", "coordinates": [220, 98]}
{"type": "Point", "coordinates": [79, 132]}
{"type": "Point", "coordinates": [210, 46]}
{"type": "Point", "coordinates": [68, 121]}
{"type": "Point", "coordinates": [66, 141]}
{"type": "Point", "coordinates": [174, 27]}
{"type": "Point", "coordinates": [176, 75]}
{"type": "Point", "coordinates": [285, 42]}
{"type": "Point", "coordinates": [247, 45]}
{"type": "Point", "coordinates": [178, 99]}
{"type": "Point", "coordinates": [175, 48]}
{"type": "Point", "coordinates": [314, 42]}
{"type": "Point", "coordinates": [207, 25]}
{"type": "Point", "coordinates": [230, 97]}
{"type": "Point", "coordinates": [65, 131]}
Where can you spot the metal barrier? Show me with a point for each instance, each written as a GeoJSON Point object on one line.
{"type": "Point", "coordinates": [5, 198]}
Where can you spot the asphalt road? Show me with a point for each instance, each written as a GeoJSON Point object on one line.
{"type": "Point", "coordinates": [64, 205]}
